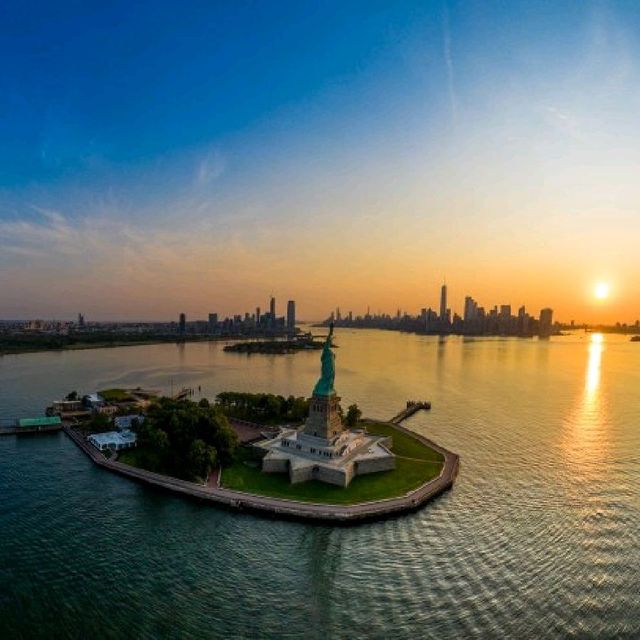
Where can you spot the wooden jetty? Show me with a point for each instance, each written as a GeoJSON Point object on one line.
{"type": "Point", "coordinates": [183, 394]}
{"type": "Point", "coordinates": [411, 408]}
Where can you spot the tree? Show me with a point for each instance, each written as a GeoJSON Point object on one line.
{"type": "Point", "coordinates": [99, 423]}
{"type": "Point", "coordinates": [202, 458]}
{"type": "Point", "coordinates": [72, 396]}
{"type": "Point", "coordinates": [263, 407]}
{"type": "Point", "coordinates": [185, 439]}
{"type": "Point", "coordinates": [299, 409]}
{"type": "Point", "coordinates": [353, 415]}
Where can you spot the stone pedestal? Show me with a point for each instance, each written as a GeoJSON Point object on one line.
{"type": "Point", "coordinates": [324, 417]}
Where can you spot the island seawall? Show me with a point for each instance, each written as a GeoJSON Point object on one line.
{"type": "Point", "coordinates": [284, 508]}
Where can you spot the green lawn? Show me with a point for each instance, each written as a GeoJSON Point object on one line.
{"type": "Point", "coordinates": [116, 395]}
{"type": "Point", "coordinates": [403, 444]}
{"type": "Point", "coordinates": [246, 475]}
{"type": "Point", "coordinates": [141, 458]}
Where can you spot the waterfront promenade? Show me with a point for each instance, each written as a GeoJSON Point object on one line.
{"type": "Point", "coordinates": [283, 508]}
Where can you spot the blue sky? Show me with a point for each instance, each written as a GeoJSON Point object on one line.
{"type": "Point", "coordinates": [158, 157]}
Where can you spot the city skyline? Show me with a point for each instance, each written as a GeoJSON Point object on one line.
{"type": "Point", "coordinates": [353, 161]}
{"type": "Point", "coordinates": [474, 320]}
{"type": "Point", "coordinates": [460, 309]}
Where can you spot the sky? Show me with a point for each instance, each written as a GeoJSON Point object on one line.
{"type": "Point", "coordinates": [158, 158]}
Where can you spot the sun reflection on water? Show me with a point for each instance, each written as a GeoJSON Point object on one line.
{"type": "Point", "coordinates": [586, 439]}
{"type": "Point", "coordinates": [593, 366]}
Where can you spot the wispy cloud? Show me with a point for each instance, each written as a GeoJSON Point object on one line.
{"type": "Point", "coordinates": [23, 237]}
{"type": "Point", "coordinates": [563, 122]}
{"type": "Point", "coordinates": [210, 168]}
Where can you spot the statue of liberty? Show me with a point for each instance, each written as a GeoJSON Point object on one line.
{"type": "Point", "coordinates": [324, 386]}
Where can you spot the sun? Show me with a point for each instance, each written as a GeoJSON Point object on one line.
{"type": "Point", "coordinates": [601, 290]}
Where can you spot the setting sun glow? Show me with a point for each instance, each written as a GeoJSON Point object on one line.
{"type": "Point", "coordinates": [601, 290]}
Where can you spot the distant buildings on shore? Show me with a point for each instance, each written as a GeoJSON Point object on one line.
{"type": "Point", "coordinates": [257, 323]}
{"type": "Point", "coordinates": [475, 321]}
{"type": "Point", "coordinates": [250, 324]}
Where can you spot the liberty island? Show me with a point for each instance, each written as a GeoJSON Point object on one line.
{"type": "Point", "coordinates": [319, 470]}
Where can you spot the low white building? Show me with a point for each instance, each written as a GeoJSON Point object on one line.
{"type": "Point", "coordinates": [114, 440]}
{"type": "Point", "coordinates": [93, 401]}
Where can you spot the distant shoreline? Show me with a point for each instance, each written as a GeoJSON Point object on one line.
{"type": "Point", "coordinates": [81, 346]}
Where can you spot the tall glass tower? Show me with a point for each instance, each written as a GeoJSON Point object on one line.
{"type": "Point", "coordinates": [443, 304]}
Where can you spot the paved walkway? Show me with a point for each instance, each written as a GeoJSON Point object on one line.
{"type": "Point", "coordinates": [287, 508]}
{"type": "Point", "coordinates": [248, 432]}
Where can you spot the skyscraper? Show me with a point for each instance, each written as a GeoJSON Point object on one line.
{"type": "Point", "coordinates": [272, 311]}
{"type": "Point", "coordinates": [291, 316]}
{"type": "Point", "coordinates": [546, 322]}
{"type": "Point", "coordinates": [213, 322]}
{"type": "Point", "coordinates": [182, 326]}
{"type": "Point", "coordinates": [523, 321]}
{"type": "Point", "coordinates": [443, 304]}
{"type": "Point", "coordinates": [470, 309]}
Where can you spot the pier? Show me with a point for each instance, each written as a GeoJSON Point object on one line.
{"type": "Point", "coordinates": [24, 426]}
{"type": "Point", "coordinates": [183, 394]}
{"type": "Point", "coordinates": [411, 408]}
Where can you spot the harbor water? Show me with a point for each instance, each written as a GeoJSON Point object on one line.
{"type": "Point", "coordinates": [538, 538]}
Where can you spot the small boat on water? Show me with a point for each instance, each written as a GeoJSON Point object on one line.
{"type": "Point", "coordinates": [635, 339]}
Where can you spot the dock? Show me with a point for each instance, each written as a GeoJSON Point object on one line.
{"type": "Point", "coordinates": [24, 426]}
{"type": "Point", "coordinates": [411, 408]}
{"type": "Point", "coordinates": [183, 394]}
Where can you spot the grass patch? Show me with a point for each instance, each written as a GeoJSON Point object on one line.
{"type": "Point", "coordinates": [141, 458]}
{"type": "Point", "coordinates": [245, 475]}
{"type": "Point", "coordinates": [403, 445]}
{"type": "Point", "coordinates": [116, 395]}
{"type": "Point", "coordinates": [150, 461]}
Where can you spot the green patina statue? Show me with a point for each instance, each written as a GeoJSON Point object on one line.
{"type": "Point", "coordinates": [324, 386]}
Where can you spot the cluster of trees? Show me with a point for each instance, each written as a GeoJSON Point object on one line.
{"type": "Point", "coordinates": [184, 439]}
{"type": "Point", "coordinates": [10, 343]}
{"type": "Point", "coordinates": [97, 423]}
{"type": "Point", "coordinates": [265, 408]}
{"type": "Point", "coordinates": [353, 415]}
{"type": "Point", "coordinates": [273, 409]}
{"type": "Point", "coordinates": [274, 346]}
